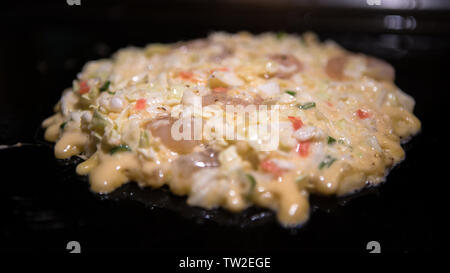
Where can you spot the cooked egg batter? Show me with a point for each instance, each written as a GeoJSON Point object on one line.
{"type": "Point", "coordinates": [341, 121]}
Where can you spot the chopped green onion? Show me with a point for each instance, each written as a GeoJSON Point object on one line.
{"type": "Point", "coordinates": [327, 162]}
{"type": "Point", "coordinates": [292, 93]}
{"type": "Point", "coordinates": [331, 140]}
{"type": "Point", "coordinates": [280, 35]}
{"type": "Point", "coordinates": [63, 125]}
{"type": "Point", "coordinates": [307, 105]}
{"type": "Point", "coordinates": [105, 86]}
{"type": "Point", "coordinates": [252, 181]}
{"type": "Point", "coordinates": [119, 148]}
{"type": "Point", "coordinates": [111, 93]}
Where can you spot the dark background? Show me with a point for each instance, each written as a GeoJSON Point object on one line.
{"type": "Point", "coordinates": [44, 204]}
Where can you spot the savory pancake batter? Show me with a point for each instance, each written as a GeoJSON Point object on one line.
{"type": "Point", "coordinates": [341, 120]}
